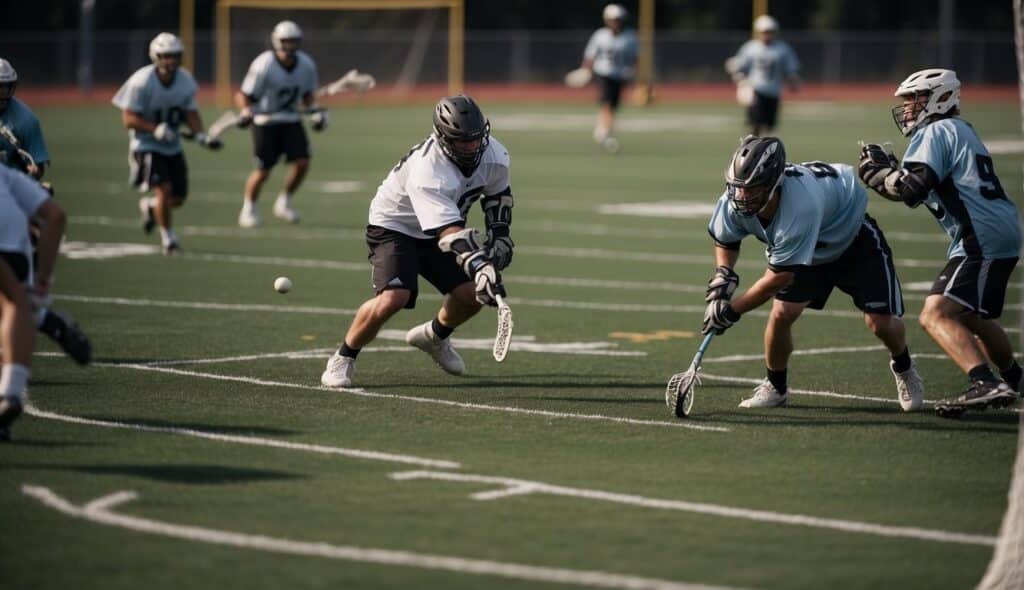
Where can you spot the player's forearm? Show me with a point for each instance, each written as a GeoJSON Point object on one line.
{"type": "Point", "coordinates": [194, 122]}
{"type": "Point", "coordinates": [135, 121]}
{"type": "Point", "coordinates": [764, 289]}
{"type": "Point", "coordinates": [726, 257]}
{"type": "Point", "coordinates": [242, 101]}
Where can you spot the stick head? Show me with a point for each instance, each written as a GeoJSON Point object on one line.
{"type": "Point", "coordinates": [679, 392]}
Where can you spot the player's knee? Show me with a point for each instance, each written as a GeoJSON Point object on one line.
{"type": "Point", "coordinates": [391, 301]}
{"type": "Point", "coordinates": [879, 323]}
{"type": "Point", "coordinates": [465, 295]}
{"type": "Point", "coordinates": [783, 313]}
{"type": "Point", "coordinates": [301, 164]}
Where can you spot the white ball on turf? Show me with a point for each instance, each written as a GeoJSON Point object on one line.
{"type": "Point", "coordinates": [282, 284]}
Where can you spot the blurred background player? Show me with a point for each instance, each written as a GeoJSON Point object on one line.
{"type": "Point", "coordinates": [21, 280]}
{"type": "Point", "coordinates": [417, 226]}
{"type": "Point", "coordinates": [813, 219]}
{"type": "Point", "coordinates": [611, 56]}
{"type": "Point", "coordinates": [23, 126]}
{"type": "Point", "coordinates": [278, 83]}
{"type": "Point", "coordinates": [154, 101]}
{"type": "Point", "coordinates": [759, 69]}
{"type": "Point", "coordinates": [947, 167]}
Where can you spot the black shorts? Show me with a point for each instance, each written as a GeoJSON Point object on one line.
{"type": "Point", "coordinates": [150, 169]}
{"type": "Point", "coordinates": [865, 271]}
{"type": "Point", "coordinates": [269, 142]}
{"type": "Point", "coordinates": [397, 259]}
{"type": "Point", "coordinates": [979, 284]}
{"type": "Point", "coordinates": [611, 90]}
{"type": "Point", "coordinates": [18, 263]}
{"type": "Point", "coordinates": [764, 110]}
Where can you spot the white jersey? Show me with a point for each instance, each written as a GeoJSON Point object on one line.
{"type": "Point", "coordinates": [276, 91]}
{"type": "Point", "coordinates": [426, 191]}
{"type": "Point", "coordinates": [143, 93]}
{"type": "Point", "coordinates": [20, 198]}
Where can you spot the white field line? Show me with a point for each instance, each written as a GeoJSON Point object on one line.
{"type": "Point", "coordinates": [424, 400]}
{"type": "Point", "coordinates": [100, 511]}
{"type": "Point", "coordinates": [206, 305]}
{"type": "Point", "coordinates": [828, 351]}
{"type": "Point", "coordinates": [520, 487]}
{"type": "Point", "coordinates": [248, 440]}
{"type": "Point", "coordinates": [811, 392]}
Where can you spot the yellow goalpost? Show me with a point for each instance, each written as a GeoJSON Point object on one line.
{"type": "Point", "coordinates": [456, 25]}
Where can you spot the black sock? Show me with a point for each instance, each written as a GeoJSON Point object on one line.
{"type": "Point", "coordinates": [52, 325]}
{"type": "Point", "coordinates": [1012, 376]}
{"type": "Point", "coordinates": [778, 379]}
{"type": "Point", "coordinates": [901, 361]}
{"type": "Point", "coordinates": [440, 329]}
{"type": "Point", "coordinates": [981, 373]}
{"type": "Point", "coordinates": [349, 352]}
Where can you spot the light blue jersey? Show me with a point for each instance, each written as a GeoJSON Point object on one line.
{"type": "Point", "coordinates": [146, 95]}
{"type": "Point", "coordinates": [969, 203]}
{"type": "Point", "coordinates": [614, 55]}
{"type": "Point", "coordinates": [820, 211]}
{"type": "Point", "coordinates": [277, 91]}
{"type": "Point", "coordinates": [25, 126]}
{"type": "Point", "coordinates": [766, 65]}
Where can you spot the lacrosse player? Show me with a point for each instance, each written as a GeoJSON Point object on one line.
{"type": "Point", "coordinates": [21, 280]}
{"type": "Point", "coordinates": [948, 169]}
{"type": "Point", "coordinates": [153, 102]}
{"type": "Point", "coordinates": [278, 83]}
{"type": "Point", "coordinates": [417, 226]}
{"type": "Point", "coordinates": [763, 64]}
{"type": "Point", "coordinates": [611, 56]}
{"type": "Point", "coordinates": [812, 218]}
{"type": "Point", "coordinates": [23, 125]}
{"type": "Point", "coordinates": [26, 134]}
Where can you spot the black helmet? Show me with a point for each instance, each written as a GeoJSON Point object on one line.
{"type": "Point", "coordinates": [458, 118]}
{"type": "Point", "coordinates": [759, 163]}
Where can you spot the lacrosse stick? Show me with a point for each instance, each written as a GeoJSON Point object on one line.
{"type": "Point", "coordinates": [503, 339]}
{"type": "Point", "coordinates": [26, 157]}
{"type": "Point", "coordinates": [224, 122]}
{"type": "Point", "coordinates": [578, 78]}
{"type": "Point", "coordinates": [679, 391]}
{"type": "Point", "coordinates": [352, 80]}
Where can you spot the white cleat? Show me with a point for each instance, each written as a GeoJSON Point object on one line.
{"type": "Point", "coordinates": [765, 396]}
{"type": "Point", "coordinates": [611, 145]}
{"type": "Point", "coordinates": [248, 218]}
{"type": "Point", "coordinates": [283, 210]}
{"type": "Point", "coordinates": [909, 388]}
{"type": "Point", "coordinates": [423, 338]}
{"type": "Point", "coordinates": [339, 371]}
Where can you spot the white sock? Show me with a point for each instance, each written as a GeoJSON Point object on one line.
{"type": "Point", "coordinates": [167, 235]}
{"type": "Point", "coordinates": [601, 133]}
{"type": "Point", "coordinates": [247, 206]}
{"type": "Point", "coordinates": [285, 198]}
{"type": "Point", "coordinates": [14, 381]}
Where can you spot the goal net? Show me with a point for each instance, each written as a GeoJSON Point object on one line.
{"type": "Point", "coordinates": [402, 43]}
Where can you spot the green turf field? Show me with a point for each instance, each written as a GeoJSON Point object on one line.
{"type": "Point", "coordinates": [250, 475]}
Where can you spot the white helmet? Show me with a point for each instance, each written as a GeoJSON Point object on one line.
{"type": "Point", "coordinates": [766, 24]}
{"type": "Point", "coordinates": [8, 82]}
{"type": "Point", "coordinates": [614, 12]}
{"type": "Point", "coordinates": [934, 92]}
{"type": "Point", "coordinates": [285, 29]}
{"type": "Point", "coordinates": [165, 43]}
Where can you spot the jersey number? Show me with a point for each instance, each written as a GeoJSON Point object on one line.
{"type": "Point", "coordinates": [172, 116]}
{"type": "Point", "coordinates": [819, 169]}
{"type": "Point", "coordinates": [287, 96]}
{"type": "Point", "coordinates": [989, 187]}
{"type": "Point", "coordinates": [412, 150]}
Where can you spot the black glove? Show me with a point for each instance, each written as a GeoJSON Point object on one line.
{"type": "Point", "coordinates": [722, 284]}
{"type": "Point", "coordinates": [719, 317]}
{"type": "Point", "coordinates": [208, 142]}
{"type": "Point", "coordinates": [499, 250]}
{"type": "Point", "coordinates": [488, 285]}
{"type": "Point", "coordinates": [875, 166]}
{"type": "Point", "coordinates": [244, 118]}
{"type": "Point", "coordinates": [319, 119]}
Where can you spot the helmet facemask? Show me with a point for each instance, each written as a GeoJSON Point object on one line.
{"type": "Point", "coordinates": [927, 95]}
{"type": "Point", "coordinates": [756, 170]}
{"type": "Point", "coordinates": [754, 198]}
{"type": "Point", "coordinates": [168, 63]}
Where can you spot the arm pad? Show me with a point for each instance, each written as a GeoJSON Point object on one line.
{"type": "Point", "coordinates": [468, 252]}
{"type": "Point", "coordinates": [498, 212]}
{"type": "Point", "coordinates": [916, 182]}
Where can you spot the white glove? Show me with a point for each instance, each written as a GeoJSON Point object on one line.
{"type": "Point", "coordinates": [165, 133]}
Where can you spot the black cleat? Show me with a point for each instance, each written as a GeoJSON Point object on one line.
{"type": "Point", "coordinates": [10, 409]}
{"type": "Point", "coordinates": [979, 396]}
{"type": "Point", "coordinates": [63, 330]}
{"type": "Point", "coordinates": [172, 248]}
{"type": "Point", "coordinates": [148, 220]}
